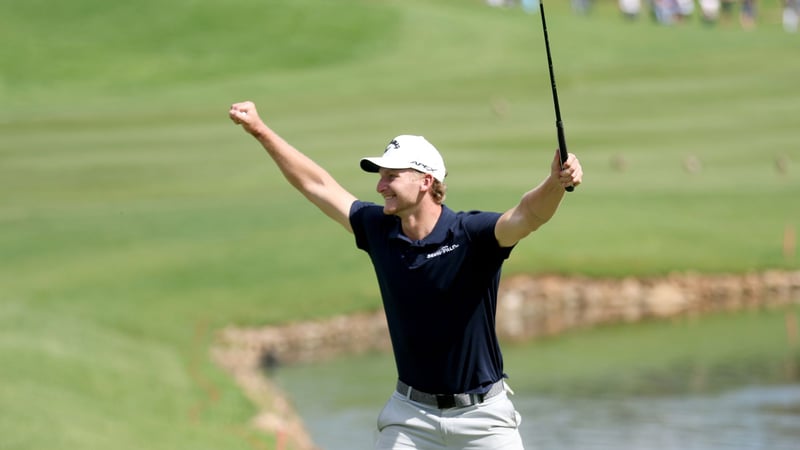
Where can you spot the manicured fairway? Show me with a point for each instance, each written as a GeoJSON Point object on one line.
{"type": "Point", "coordinates": [135, 219]}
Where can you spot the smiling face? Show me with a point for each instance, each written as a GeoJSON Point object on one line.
{"type": "Point", "coordinates": [402, 189]}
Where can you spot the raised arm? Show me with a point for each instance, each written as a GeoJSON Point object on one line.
{"type": "Point", "coordinates": [539, 204]}
{"type": "Point", "coordinates": [314, 182]}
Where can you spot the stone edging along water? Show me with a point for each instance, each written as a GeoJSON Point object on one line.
{"type": "Point", "coordinates": [528, 307]}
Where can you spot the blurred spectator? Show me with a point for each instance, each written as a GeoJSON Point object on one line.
{"type": "Point", "coordinates": [747, 16]}
{"type": "Point", "coordinates": [791, 14]}
{"type": "Point", "coordinates": [684, 9]}
{"type": "Point", "coordinates": [530, 6]}
{"type": "Point", "coordinates": [664, 11]}
{"type": "Point", "coordinates": [630, 8]}
{"type": "Point", "coordinates": [710, 10]}
{"type": "Point", "coordinates": [581, 6]}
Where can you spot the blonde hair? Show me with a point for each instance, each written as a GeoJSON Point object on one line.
{"type": "Point", "coordinates": [438, 191]}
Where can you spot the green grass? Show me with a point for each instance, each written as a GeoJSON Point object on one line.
{"type": "Point", "coordinates": [136, 220]}
{"type": "Point", "coordinates": [701, 354]}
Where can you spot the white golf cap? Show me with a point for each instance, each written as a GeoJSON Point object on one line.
{"type": "Point", "coordinates": [408, 152]}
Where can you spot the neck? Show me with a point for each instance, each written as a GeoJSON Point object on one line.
{"type": "Point", "coordinates": [420, 224]}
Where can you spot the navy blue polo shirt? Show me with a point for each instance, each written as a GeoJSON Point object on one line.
{"type": "Point", "coordinates": [440, 296]}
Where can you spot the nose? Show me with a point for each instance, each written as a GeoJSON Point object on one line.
{"type": "Point", "coordinates": [381, 185]}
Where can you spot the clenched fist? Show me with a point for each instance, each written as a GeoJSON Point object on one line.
{"type": "Point", "coordinates": [246, 115]}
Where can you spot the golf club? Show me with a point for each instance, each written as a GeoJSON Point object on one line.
{"type": "Point", "coordinates": [562, 142]}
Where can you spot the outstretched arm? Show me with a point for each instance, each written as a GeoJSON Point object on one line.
{"type": "Point", "coordinates": [314, 182]}
{"type": "Point", "coordinates": [540, 204]}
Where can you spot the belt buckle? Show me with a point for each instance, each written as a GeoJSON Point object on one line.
{"type": "Point", "coordinates": [445, 401]}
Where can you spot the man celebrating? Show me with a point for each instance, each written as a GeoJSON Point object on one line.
{"type": "Point", "coordinates": [438, 272]}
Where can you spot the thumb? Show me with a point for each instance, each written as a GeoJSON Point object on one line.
{"type": "Point", "coordinates": [556, 165]}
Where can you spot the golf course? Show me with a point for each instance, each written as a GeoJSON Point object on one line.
{"type": "Point", "coordinates": [136, 220]}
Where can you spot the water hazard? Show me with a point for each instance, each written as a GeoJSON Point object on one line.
{"type": "Point", "coordinates": [730, 381]}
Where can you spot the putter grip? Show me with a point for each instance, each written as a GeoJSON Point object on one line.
{"type": "Point", "coordinates": [562, 149]}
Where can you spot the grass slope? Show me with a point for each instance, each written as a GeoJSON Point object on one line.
{"type": "Point", "coordinates": [135, 219]}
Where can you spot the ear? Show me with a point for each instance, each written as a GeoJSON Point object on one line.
{"type": "Point", "coordinates": [427, 182]}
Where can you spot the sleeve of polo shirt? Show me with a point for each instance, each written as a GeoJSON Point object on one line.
{"type": "Point", "coordinates": [480, 227]}
{"type": "Point", "coordinates": [359, 212]}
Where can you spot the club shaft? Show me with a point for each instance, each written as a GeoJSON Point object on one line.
{"type": "Point", "coordinates": [562, 141]}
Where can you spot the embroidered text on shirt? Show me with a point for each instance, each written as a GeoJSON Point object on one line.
{"type": "Point", "coordinates": [444, 249]}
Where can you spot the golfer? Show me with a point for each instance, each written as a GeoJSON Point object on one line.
{"type": "Point", "coordinates": [438, 272]}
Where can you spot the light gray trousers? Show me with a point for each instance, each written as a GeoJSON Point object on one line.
{"type": "Point", "coordinates": [491, 425]}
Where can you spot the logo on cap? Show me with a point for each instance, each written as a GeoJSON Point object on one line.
{"type": "Point", "coordinates": [424, 167]}
{"type": "Point", "coordinates": [392, 145]}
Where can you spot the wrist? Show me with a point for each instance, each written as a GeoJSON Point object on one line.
{"type": "Point", "coordinates": [260, 132]}
{"type": "Point", "coordinates": [552, 183]}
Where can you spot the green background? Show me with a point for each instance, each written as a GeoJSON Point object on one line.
{"type": "Point", "coordinates": [136, 220]}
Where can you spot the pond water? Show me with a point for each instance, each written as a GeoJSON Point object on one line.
{"type": "Point", "coordinates": [723, 382]}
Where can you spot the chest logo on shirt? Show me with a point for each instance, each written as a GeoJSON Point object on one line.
{"type": "Point", "coordinates": [442, 250]}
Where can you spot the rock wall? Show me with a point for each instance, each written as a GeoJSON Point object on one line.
{"type": "Point", "coordinates": [535, 306]}
{"type": "Point", "coordinates": [528, 306]}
